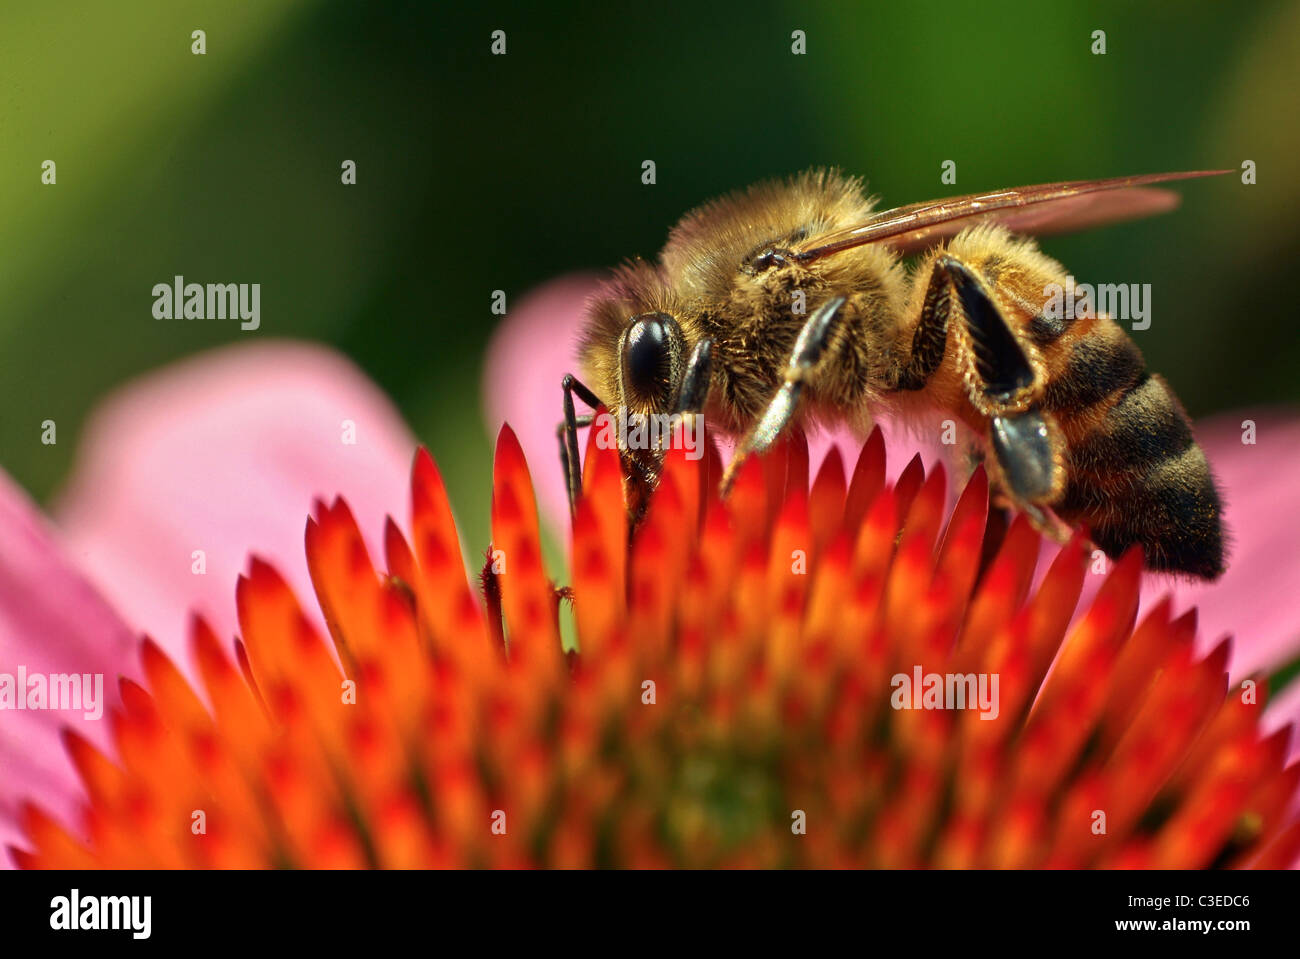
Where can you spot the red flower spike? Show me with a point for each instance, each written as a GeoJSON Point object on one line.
{"type": "Point", "coordinates": [1281, 853]}
{"type": "Point", "coordinates": [656, 553]}
{"type": "Point", "coordinates": [1140, 658]}
{"type": "Point", "coordinates": [1271, 801]}
{"type": "Point", "coordinates": [1075, 689]}
{"type": "Point", "coordinates": [747, 504]}
{"type": "Point", "coordinates": [448, 613]}
{"type": "Point", "coordinates": [868, 480]}
{"type": "Point", "coordinates": [687, 477]}
{"type": "Point", "coordinates": [741, 664]}
{"type": "Point", "coordinates": [791, 556]}
{"type": "Point", "coordinates": [909, 484]}
{"type": "Point", "coordinates": [826, 500]}
{"type": "Point", "coordinates": [175, 697]}
{"type": "Point", "coordinates": [398, 556]}
{"type": "Point", "coordinates": [57, 848]}
{"type": "Point", "coordinates": [796, 468]}
{"type": "Point", "coordinates": [105, 783]}
{"type": "Point", "coordinates": [526, 593]}
{"type": "Point", "coordinates": [603, 492]}
{"type": "Point", "coordinates": [1235, 719]}
{"type": "Point", "coordinates": [1004, 586]}
{"type": "Point", "coordinates": [963, 538]}
{"type": "Point", "coordinates": [774, 466]}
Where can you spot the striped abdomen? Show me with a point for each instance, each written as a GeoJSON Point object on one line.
{"type": "Point", "coordinates": [1135, 474]}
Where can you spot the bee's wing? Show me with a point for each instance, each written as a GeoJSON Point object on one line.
{"type": "Point", "coordinates": [1041, 209]}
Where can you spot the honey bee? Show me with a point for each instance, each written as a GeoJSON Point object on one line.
{"type": "Point", "coordinates": [1072, 427]}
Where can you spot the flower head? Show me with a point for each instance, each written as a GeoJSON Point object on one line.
{"type": "Point", "coordinates": [753, 686]}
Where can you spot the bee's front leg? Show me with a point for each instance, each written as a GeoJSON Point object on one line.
{"type": "Point", "coordinates": [567, 432]}
{"type": "Point", "coordinates": [808, 351]}
{"type": "Point", "coordinates": [694, 388]}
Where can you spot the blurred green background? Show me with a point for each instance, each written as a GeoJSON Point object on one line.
{"type": "Point", "coordinates": [481, 172]}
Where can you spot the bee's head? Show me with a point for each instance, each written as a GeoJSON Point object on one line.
{"type": "Point", "coordinates": [633, 346]}
{"type": "Point", "coordinates": [634, 355]}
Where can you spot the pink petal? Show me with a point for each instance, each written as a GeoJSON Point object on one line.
{"type": "Point", "coordinates": [532, 349]}
{"type": "Point", "coordinates": [224, 453]}
{"type": "Point", "coordinates": [1258, 599]}
{"type": "Point", "coordinates": [51, 621]}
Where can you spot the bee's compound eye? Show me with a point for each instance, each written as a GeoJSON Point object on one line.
{"type": "Point", "coordinates": [645, 355]}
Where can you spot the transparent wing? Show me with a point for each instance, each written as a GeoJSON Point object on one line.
{"type": "Point", "coordinates": [1041, 209]}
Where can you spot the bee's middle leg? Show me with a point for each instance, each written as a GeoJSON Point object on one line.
{"type": "Point", "coordinates": [809, 348]}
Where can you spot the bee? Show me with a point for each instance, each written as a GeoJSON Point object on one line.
{"type": "Point", "coordinates": [1059, 404]}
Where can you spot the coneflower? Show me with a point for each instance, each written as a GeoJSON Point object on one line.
{"type": "Point", "coordinates": [744, 693]}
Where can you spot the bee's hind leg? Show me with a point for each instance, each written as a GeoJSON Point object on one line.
{"type": "Point", "coordinates": [809, 348]}
{"type": "Point", "coordinates": [1003, 383]}
{"type": "Point", "coordinates": [930, 339]}
{"type": "Point", "coordinates": [1041, 518]}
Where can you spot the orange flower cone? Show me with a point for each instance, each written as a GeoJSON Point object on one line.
{"type": "Point", "coordinates": [732, 703]}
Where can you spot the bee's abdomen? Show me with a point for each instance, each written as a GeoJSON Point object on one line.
{"type": "Point", "coordinates": [1135, 473]}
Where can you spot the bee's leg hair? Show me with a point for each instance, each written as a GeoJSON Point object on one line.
{"type": "Point", "coordinates": [1001, 367]}
{"type": "Point", "coordinates": [1026, 441]}
{"type": "Point", "coordinates": [931, 335]}
{"type": "Point", "coordinates": [808, 351]}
